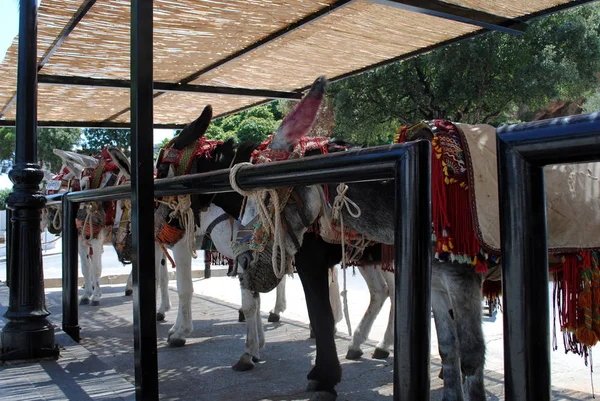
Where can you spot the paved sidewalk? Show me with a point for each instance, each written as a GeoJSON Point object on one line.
{"type": "Point", "coordinates": [76, 375]}
{"type": "Point", "coordinates": [102, 366]}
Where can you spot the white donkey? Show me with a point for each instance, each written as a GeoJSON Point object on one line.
{"type": "Point", "coordinates": [93, 229]}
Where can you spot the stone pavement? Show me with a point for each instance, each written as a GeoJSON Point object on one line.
{"type": "Point", "coordinates": [101, 367]}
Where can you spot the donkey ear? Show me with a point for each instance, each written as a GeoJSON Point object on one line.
{"type": "Point", "coordinates": [119, 158]}
{"type": "Point", "coordinates": [48, 176]}
{"type": "Point", "coordinates": [194, 130]}
{"type": "Point", "coordinates": [74, 161]}
{"type": "Point", "coordinates": [299, 121]}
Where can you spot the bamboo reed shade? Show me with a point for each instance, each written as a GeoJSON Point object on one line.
{"type": "Point", "coordinates": [190, 35]}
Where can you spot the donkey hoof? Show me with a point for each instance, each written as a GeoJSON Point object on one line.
{"type": "Point", "coordinates": [241, 317]}
{"type": "Point", "coordinates": [160, 316]}
{"type": "Point", "coordinates": [380, 353]}
{"type": "Point", "coordinates": [95, 302]}
{"type": "Point", "coordinates": [312, 385]}
{"type": "Point", "coordinates": [323, 396]}
{"type": "Point", "coordinates": [273, 318]}
{"type": "Point", "coordinates": [175, 342]}
{"type": "Point", "coordinates": [242, 366]}
{"type": "Point", "coordinates": [128, 292]}
{"type": "Point", "coordinates": [354, 354]}
{"type": "Point", "coordinates": [84, 301]}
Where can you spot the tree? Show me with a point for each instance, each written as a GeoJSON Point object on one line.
{"type": "Point", "coordinates": [55, 138]}
{"type": "Point", "coordinates": [7, 143]}
{"type": "Point", "coordinates": [48, 140]}
{"type": "Point", "coordinates": [97, 139]}
{"type": "Point", "coordinates": [255, 129]}
{"type": "Point", "coordinates": [483, 80]}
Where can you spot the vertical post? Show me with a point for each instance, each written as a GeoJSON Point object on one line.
{"type": "Point", "coordinates": [142, 202]}
{"type": "Point", "coordinates": [28, 333]}
{"type": "Point", "coordinates": [207, 260]}
{"type": "Point", "coordinates": [524, 277]}
{"type": "Point", "coordinates": [9, 235]}
{"type": "Point", "coordinates": [412, 342]}
{"type": "Point", "coordinates": [70, 322]}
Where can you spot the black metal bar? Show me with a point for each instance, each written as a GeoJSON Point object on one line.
{"type": "Point", "coordinates": [257, 45]}
{"type": "Point", "coordinates": [28, 334]}
{"type": "Point", "coordinates": [77, 17]}
{"type": "Point", "coordinates": [142, 202]}
{"type": "Point", "coordinates": [523, 150]}
{"type": "Point", "coordinates": [167, 87]}
{"type": "Point", "coordinates": [90, 124]}
{"type": "Point", "coordinates": [70, 306]}
{"type": "Point", "coordinates": [412, 342]}
{"type": "Point", "coordinates": [455, 12]}
{"type": "Point", "coordinates": [7, 245]}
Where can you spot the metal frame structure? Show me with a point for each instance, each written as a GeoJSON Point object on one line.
{"type": "Point", "coordinates": [523, 150]}
{"type": "Point", "coordinates": [408, 164]}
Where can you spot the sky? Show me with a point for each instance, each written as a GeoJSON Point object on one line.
{"type": "Point", "coordinates": [9, 27]}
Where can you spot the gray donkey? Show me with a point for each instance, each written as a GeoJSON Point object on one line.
{"type": "Point", "coordinates": [456, 288]}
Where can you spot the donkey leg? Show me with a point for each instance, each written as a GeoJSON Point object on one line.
{"type": "Point", "coordinates": [129, 285]}
{"type": "Point", "coordinates": [378, 293]}
{"type": "Point", "coordinates": [162, 276]}
{"type": "Point", "coordinates": [251, 310]}
{"type": "Point", "coordinates": [84, 257]}
{"type": "Point", "coordinates": [312, 263]}
{"type": "Point", "coordinates": [448, 344]}
{"type": "Point", "coordinates": [185, 290]}
{"type": "Point", "coordinates": [97, 246]}
{"type": "Point", "coordinates": [280, 302]}
{"type": "Point", "coordinates": [465, 292]}
{"type": "Point", "coordinates": [382, 350]}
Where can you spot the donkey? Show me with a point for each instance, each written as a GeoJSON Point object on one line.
{"type": "Point", "coordinates": [456, 288]}
{"type": "Point", "coordinates": [209, 155]}
{"type": "Point", "coordinates": [94, 219]}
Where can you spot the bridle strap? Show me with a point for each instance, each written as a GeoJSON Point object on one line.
{"type": "Point", "coordinates": [215, 222]}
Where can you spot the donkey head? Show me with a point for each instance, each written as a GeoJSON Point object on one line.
{"type": "Point", "coordinates": [306, 203]}
{"type": "Point", "coordinates": [166, 166]}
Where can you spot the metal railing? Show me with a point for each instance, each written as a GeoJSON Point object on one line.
{"type": "Point", "coordinates": [408, 164]}
{"type": "Point", "coordinates": [523, 151]}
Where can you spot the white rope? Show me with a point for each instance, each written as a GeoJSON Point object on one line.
{"type": "Point", "coordinates": [181, 207]}
{"type": "Point", "coordinates": [274, 227]}
{"type": "Point", "coordinates": [339, 203]}
{"type": "Point", "coordinates": [57, 220]}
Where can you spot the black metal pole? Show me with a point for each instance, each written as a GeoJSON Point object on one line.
{"type": "Point", "coordinates": [28, 333]}
{"type": "Point", "coordinates": [412, 342]}
{"type": "Point", "coordinates": [9, 235]}
{"type": "Point", "coordinates": [524, 278]}
{"type": "Point", "coordinates": [142, 202]}
{"type": "Point", "coordinates": [70, 306]}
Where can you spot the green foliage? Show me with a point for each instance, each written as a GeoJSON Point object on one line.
{"type": "Point", "coordinates": [48, 140]}
{"type": "Point", "coordinates": [254, 124]}
{"type": "Point", "coordinates": [482, 80]}
{"type": "Point", "coordinates": [7, 143]}
{"type": "Point", "coordinates": [3, 195]}
{"type": "Point", "coordinates": [255, 129]}
{"type": "Point", "coordinates": [55, 138]}
{"type": "Point", "coordinates": [592, 103]}
{"type": "Point", "coordinates": [97, 139]}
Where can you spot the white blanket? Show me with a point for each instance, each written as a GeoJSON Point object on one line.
{"type": "Point", "coordinates": [572, 196]}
